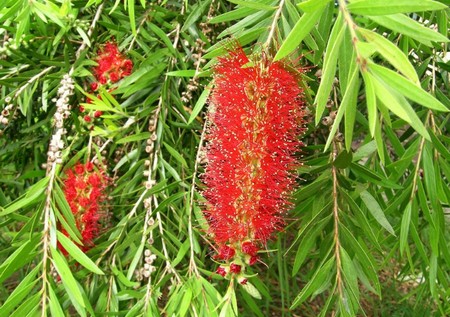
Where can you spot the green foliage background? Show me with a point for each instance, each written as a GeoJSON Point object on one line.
{"type": "Point", "coordinates": [369, 233]}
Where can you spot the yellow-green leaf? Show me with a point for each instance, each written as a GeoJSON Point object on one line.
{"type": "Point", "coordinates": [391, 53]}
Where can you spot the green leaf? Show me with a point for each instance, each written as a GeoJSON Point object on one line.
{"type": "Point", "coordinates": [197, 11]}
{"type": "Point", "coordinates": [343, 160]}
{"type": "Point", "coordinates": [20, 292]}
{"type": "Point", "coordinates": [407, 88]}
{"type": "Point", "coordinates": [391, 53]}
{"type": "Point", "coordinates": [28, 307]}
{"type": "Point", "coordinates": [201, 101]}
{"type": "Point", "coordinates": [181, 253]}
{"type": "Point", "coordinates": [67, 278]}
{"type": "Point", "coordinates": [253, 5]}
{"type": "Point", "coordinates": [433, 275]}
{"type": "Point", "coordinates": [298, 33]}
{"type": "Point", "coordinates": [19, 258]}
{"type": "Point", "coordinates": [84, 36]}
{"type": "Point", "coordinates": [312, 5]}
{"type": "Point", "coordinates": [308, 241]}
{"type": "Point", "coordinates": [384, 7]}
{"type": "Point", "coordinates": [329, 67]}
{"type": "Point", "coordinates": [67, 218]}
{"type": "Point", "coordinates": [399, 106]}
{"type": "Point", "coordinates": [182, 73]}
{"type": "Point", "coordinates": [55, 307]}
{"type": "Point", "coordinates": [364, 256]}
{"type": "Point", "coordinates": [132, 16]}
{"type": "Point", "coordinates": [33, 193]}
{"type": "Point", "coordinates": [444, 151]}
{"type": "Point", "coordinates": [252, 290]}
{"type": "Point", "coordinates": [404, 25]}
{"type": "Point", "coordinates": [135, 137]}
{"type": "Point", "coordinates": [237, 14]}
{"type": "Point", "coordinates": [371, 102]}
{"type": "Point", "coordinates": [186, 301]}
{"type": "Point", "coordinates": [348, 104]}
{"type": "Point", "coordinates": [174, 153]}
{"type": "Point", "coordinates": [376, 211]}
{"type": "Point", "coordinates": [350, 278]}
{"type": "Point", "coordinates": [320, 275]}
{"type": "Point", "coordinates": [77, 254]}
{"type": "Point", "coordinates": [404, 228]}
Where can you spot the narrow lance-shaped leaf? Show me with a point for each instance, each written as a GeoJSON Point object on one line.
{"type": "Point", "coordinates": [384, 7]}
{"type": "Point", "coordinates": [376, 211]}
{"type": "Point", "coordinates": [407, 88]}
{"type": "Point", "coordinates": [67, 278]}
{"type": "Point", "coordinates": [329, 67]}
{"type": "Point", "coordinates": [77, 254]}
{"type": "Point", "coordinates": [317, 279]}
{"type": "Point", "coordinates": [347, 104]}
{"type": "Point", "coordinates": [299, 32]}
{"type": "Point", "coordinates": [399, 106]}
{"type": "Point", "coordinates": [404, 25]}
{"type": "Point", "coordinates": [371, 102]}
{"type": "Point", "coordinates": [404, 228]}
{"type": "Point", "coordinates": [391, 53]}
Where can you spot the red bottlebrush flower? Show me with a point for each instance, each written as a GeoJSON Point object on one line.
{"type": "Point", "coordinates": [242, 281]}
{"type": "Point", "coordinates": [114, 77]}
{"type": "Point", "coordinates": [85, 191]}
{"type": "Point", "coordinates": [82, 109]}
{"type": "Point", "coordinates": [256, 115]}
{"type": "Point", "coordinates": [221, 271]}
{"type": "Point", "coordinates": [94, 86]}
{"type": "Point", "coordinates": [253, 260]}
{"type": "Point", "coordinates": [87, 118]}
{"type": "Point", "coordinates": [112, 65]}
{"type": "Point", "coordinates": [249, 248]}
{"type": "Point", "coordinates": [226, 252]}
{"type": "Point", "coordinates": [98, 113]}
{"type": "Point", "coordinates": [235, 268]}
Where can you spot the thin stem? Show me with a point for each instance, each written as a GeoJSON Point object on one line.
{"type": "Point", "coordinates": [32, 80]}
{"type": "Point", "coordinates": [146, 15]}
{"type": "Point", "coordinates": [89, 34]}
{"type": "Point", "coordinates": [352, 26]}
{"type": "Point", "coordinates": [337, 244]}
{"type": "Point", "coordinates": [274, 24]}
{"type": "Point", "coordinates": [46, 239]}
{"type": "Point", "coordinates": [192, 265]}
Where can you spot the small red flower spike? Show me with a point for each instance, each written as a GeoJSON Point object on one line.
{"type": "Point", "coordinates": [98, 113]}
{"type": "Point", "coordinates": [256, 115]}
{"type": "Point", "coordinates": [253, 260]}
{"type": "Point", "coordinates": [112, 65]}
{"type": "Point", "coordinates": [242, 281]}
{"type": "Point", "coordinates": [226, 252]}
{"type": "Point", "coordinates": [235, 268]}
{"type": "Point", "coordinates": [221, 271]}
{"type": "Point", "coordinates": [249, 248]}
{"type": "Point", "coordinates": [87, 118]}
{"type": "Point", "coordinates": [94, 86]}
{"type": "Point", "coordinates": [85, 192]}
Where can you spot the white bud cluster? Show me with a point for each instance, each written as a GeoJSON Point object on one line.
{"type": "Point", "coordinates": [11, 45]}
{"type": "Point", "coordinates": [56, 146]}
{"type": "Point", "coordinates": [148, 268]}
{"type": "Point", "coordinates": [4, 116]}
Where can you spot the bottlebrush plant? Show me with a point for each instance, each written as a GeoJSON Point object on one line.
{"type": "Point", "coordinates": [256, 120]}
{"type": "Point", "coordinates": [112, 66]}
{"type": "Point", "coordinates": [85, 188]}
